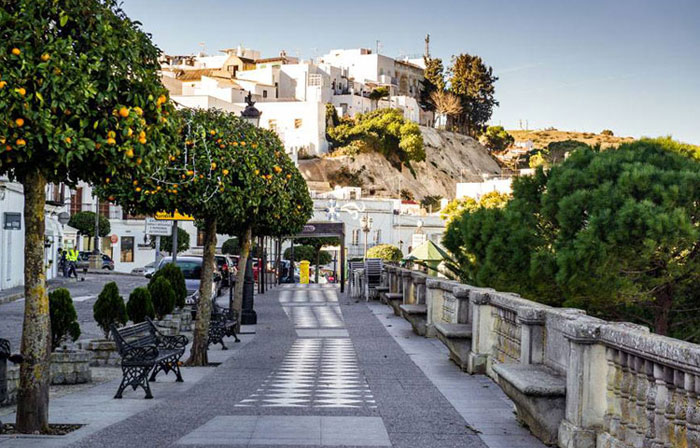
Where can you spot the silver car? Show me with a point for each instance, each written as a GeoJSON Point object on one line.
{"type": "Point", "coordinates": [191, 267]}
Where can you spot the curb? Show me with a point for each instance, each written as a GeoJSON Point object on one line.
{"type": "Point", "coordinates": [11, 298]}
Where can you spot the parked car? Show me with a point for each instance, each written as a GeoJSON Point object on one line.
{"type": "Point", "coordinates": [191, 267]}
{"type": "Point", "coordinates": [84, 261]}
{"type": "Point", "coordinates": [148, 269]}
{"type": "Point", "coordinates": [286, 275]}
{"type": "Point", "coordinates": [226, 268]}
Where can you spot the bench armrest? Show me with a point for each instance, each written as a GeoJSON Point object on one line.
{"type": "Point", "coordinates": [171, 342]}
{"type": "Point", "coordinates": [137, 354]}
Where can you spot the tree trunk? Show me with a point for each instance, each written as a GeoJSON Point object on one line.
{"type": "Point", "coordinates": [240, 276]}
{"type": "Point", "coordinates": [318, 260]}
{"type": "Point", "coordinates": [198, 353]}
{"type": "Point", "coordinates": [33, 394]}
{"type": "Point", "coordinates": [662, 318]}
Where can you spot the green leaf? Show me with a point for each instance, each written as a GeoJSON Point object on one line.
{"type": "Point", "coordinates": [63, 19]}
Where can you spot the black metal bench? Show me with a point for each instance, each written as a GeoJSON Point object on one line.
{"type": "Point", "coordinates": [223, 323]}
{"type": "Point", "coordinates": [146, 350]}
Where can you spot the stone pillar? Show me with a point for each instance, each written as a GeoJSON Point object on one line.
{"type": "Point", "coordinates": [463, 312]}
{"type": "Point", "coordinates": [419, 287]}
{"type": "Point", "coordinates": [532, 335]}
{"type": "Point", "coordinates": [433, 300]}
{"type": "Point", "coordinates": [407, 286]}
{"type": "Point", "coordinates": [481, 331]}
{"type": "Point", "coordinates": [692, 386]}
{"type": "Point", "coordinates": [585, 390]}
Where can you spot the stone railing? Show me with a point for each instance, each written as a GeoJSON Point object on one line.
{"type": "Point", "coordinates": [577, 381]}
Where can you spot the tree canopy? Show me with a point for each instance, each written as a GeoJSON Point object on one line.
{"type": "Point", "coordinates": [613, 232]}
{"type": "Point", "coordinates": [385, 131]}
{"type": "Point", "coordinates": [80, 99]}
{"type": "Point", "coordinates": [433, 81]}
{"type": "Point", "coordinates": [473, 82]}
{"type": "Point", "coordinates": [496, 138]}
{"type": "Point", "coordinates": [84, 223]}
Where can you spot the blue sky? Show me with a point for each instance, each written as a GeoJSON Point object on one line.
{"type": "Point", "coordinates": [632, 66]}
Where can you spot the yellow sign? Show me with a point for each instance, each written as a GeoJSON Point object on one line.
{"type": "Point", "coordinates": [304, 272]}
{"type": "Point", "coordinates": [173, 216]}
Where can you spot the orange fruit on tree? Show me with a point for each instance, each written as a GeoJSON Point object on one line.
{"type": "Point", "coordinates": [142, 141]}
{"type": "Point", "coordinates": [129, 153]}
{"type": "Point", "coordinates": [68, 140]}
{"type": "Point", "coordinates": [111, 134]}
{"type": "Point", "coordinates": [212, 132]}
{"type": "Point", "coordinates": [138, 189]}
{"type": "Point", "coordinates": [22, 91]}
{"type": "Point", "coordinates": [129, 132]}
{"type": "Point", "coordinates": [123, 112]}
{"type": "Point", "coordinates": [213, 165]}
{"type": "Point", "coordinates": [19, 122]}
{"type": "Point", "coordinates": [111, 141]}
{"type": "Point", "coordinates": [21, 142]}
{"type": "Point", "coordinates": [3, 84]}
{"type": "Point", "coordinates": [135, 182]}
{"type": "Point", "coordinates": [16, 51]}
{"type": "Point", "coordinates": [107, 180]}
{"type": "Point", "coordinates": [45, 57]}
{"type": "Point", "coordinates": [225, 172]}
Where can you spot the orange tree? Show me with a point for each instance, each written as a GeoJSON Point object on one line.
{"type": "Point", "coordinates": [221, 172]}
{"type": "Point", "coordinates": [280, 208]}
{"type": "Point", "coordinates": [80, 98]}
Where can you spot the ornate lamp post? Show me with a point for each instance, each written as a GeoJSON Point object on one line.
{"type": "Point", "coordinates": [248, 314]}
{"type": "Point", "coordinates": [366, 225]}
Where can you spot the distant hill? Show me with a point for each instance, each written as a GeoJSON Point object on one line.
{"type": "Point", "coordinates": [450, 158]}
{"type": "Point", "coordinates": [542, 138]}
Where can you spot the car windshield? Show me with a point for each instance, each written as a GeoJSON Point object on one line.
{"type": "Point", "coordinates": [191, 269]}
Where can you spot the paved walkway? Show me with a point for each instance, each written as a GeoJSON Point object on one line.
{"type": "Point", "coordinates": [322, 370]}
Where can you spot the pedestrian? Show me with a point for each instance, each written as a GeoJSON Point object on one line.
{"type": "Point", "coordinates": [72, 263]}
{"type": "Point", "coordinates": [62, 262]}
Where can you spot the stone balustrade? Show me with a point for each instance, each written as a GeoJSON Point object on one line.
{"type": "Point", "coordinates": [576, 381]}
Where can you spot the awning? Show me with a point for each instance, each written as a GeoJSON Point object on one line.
{"type": "Point", "coordinates": [428, 251]}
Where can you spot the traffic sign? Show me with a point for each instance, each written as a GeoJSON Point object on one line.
{"type": "Point", "coordinates": [173, 216]}
{"type": "Point", "coordinates": [158, 228]}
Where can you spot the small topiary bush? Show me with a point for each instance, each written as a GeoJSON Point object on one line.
{"type": "Point", "coordinates": [386, 252]}
{"type": "Point", "coordinates": [109, 308]}
{"type": "Point", "coordinates": [64, 319]}
{"type": "Point", "coordinates": [174, 276]}
{"type": "Point", "coordinates": [163, 296]}
{"type": "Point", "coordinates": [140, 305]}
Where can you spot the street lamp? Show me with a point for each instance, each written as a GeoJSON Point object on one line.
{"type": "Point", "coordinates": [366, 223]}
{"type": "Point", "coordinates": [248, 314]}
{"type": "Point", "coordinates": [251, 114]}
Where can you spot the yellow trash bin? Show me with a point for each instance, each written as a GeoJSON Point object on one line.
{"type": "Point", "coordinates": [304, 272]}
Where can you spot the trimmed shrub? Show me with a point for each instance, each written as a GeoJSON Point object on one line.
{"type": "Point", "coordinates": [64, 319]}
{"type": "Point", "coordinates": [386, 252]}
{"type": "Point", "coordinates": [231, 247]}
{"type": "Point", "coordinates": [163, 296]}
{"type": "Point", "coordinates": [175, 277]}
{"type": "Point", "coordinates": [109, 308]}
{"type": "Point", "coordinates": [140, 305]}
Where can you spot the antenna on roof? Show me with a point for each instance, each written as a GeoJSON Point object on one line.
{"type": "Point", "coordinates": [379, 46]}
{"type": "Point", "coordinates": [204, 48]}
{"type": "Point", "coordinates": [427, 46]}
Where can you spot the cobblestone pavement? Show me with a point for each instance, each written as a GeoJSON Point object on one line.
{"type": "Point", "coordinates": [84, 294]}
{"type": "Point", "coordinates": [322, 370]}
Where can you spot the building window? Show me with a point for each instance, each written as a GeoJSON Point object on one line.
{"type": "Point", "coordinates": [76, 201]}
{"type": "Point", "coordinates": [200, 237]}
{"type": "Point", "coordinates": [13, 221]}
{"type": "Point", "coordinates": [127, 249]}
{"type": "Point", "coordinates": [378, 236]}
{"type": "Point", "coordinates": [356, 237]}
{"type": "Point", "coordinates": [264, 93]}
{"type": "Point", "coordinates": [297, 123]}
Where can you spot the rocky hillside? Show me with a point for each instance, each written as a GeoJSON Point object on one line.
{"type": "Point", "coordinates": [450, 158]}
{"type": "Point", "coordinates": [542, 138]}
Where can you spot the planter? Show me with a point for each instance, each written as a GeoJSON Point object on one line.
{"type": "Point", "coordinates": [71, 367]}
{"type": "Point", "coordinates": [185, 320]}
{"type": "Point", "coordinates": [104, 352]}
{"type": "Point", "coordinates": [169, 325]}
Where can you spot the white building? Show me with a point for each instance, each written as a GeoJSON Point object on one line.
{"type": "Point", "coordinates": [13, 227]}
{"type": "Point", "coordinates": [293, 94]}
{"type": "Point", "coordinates": [476, 190]}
